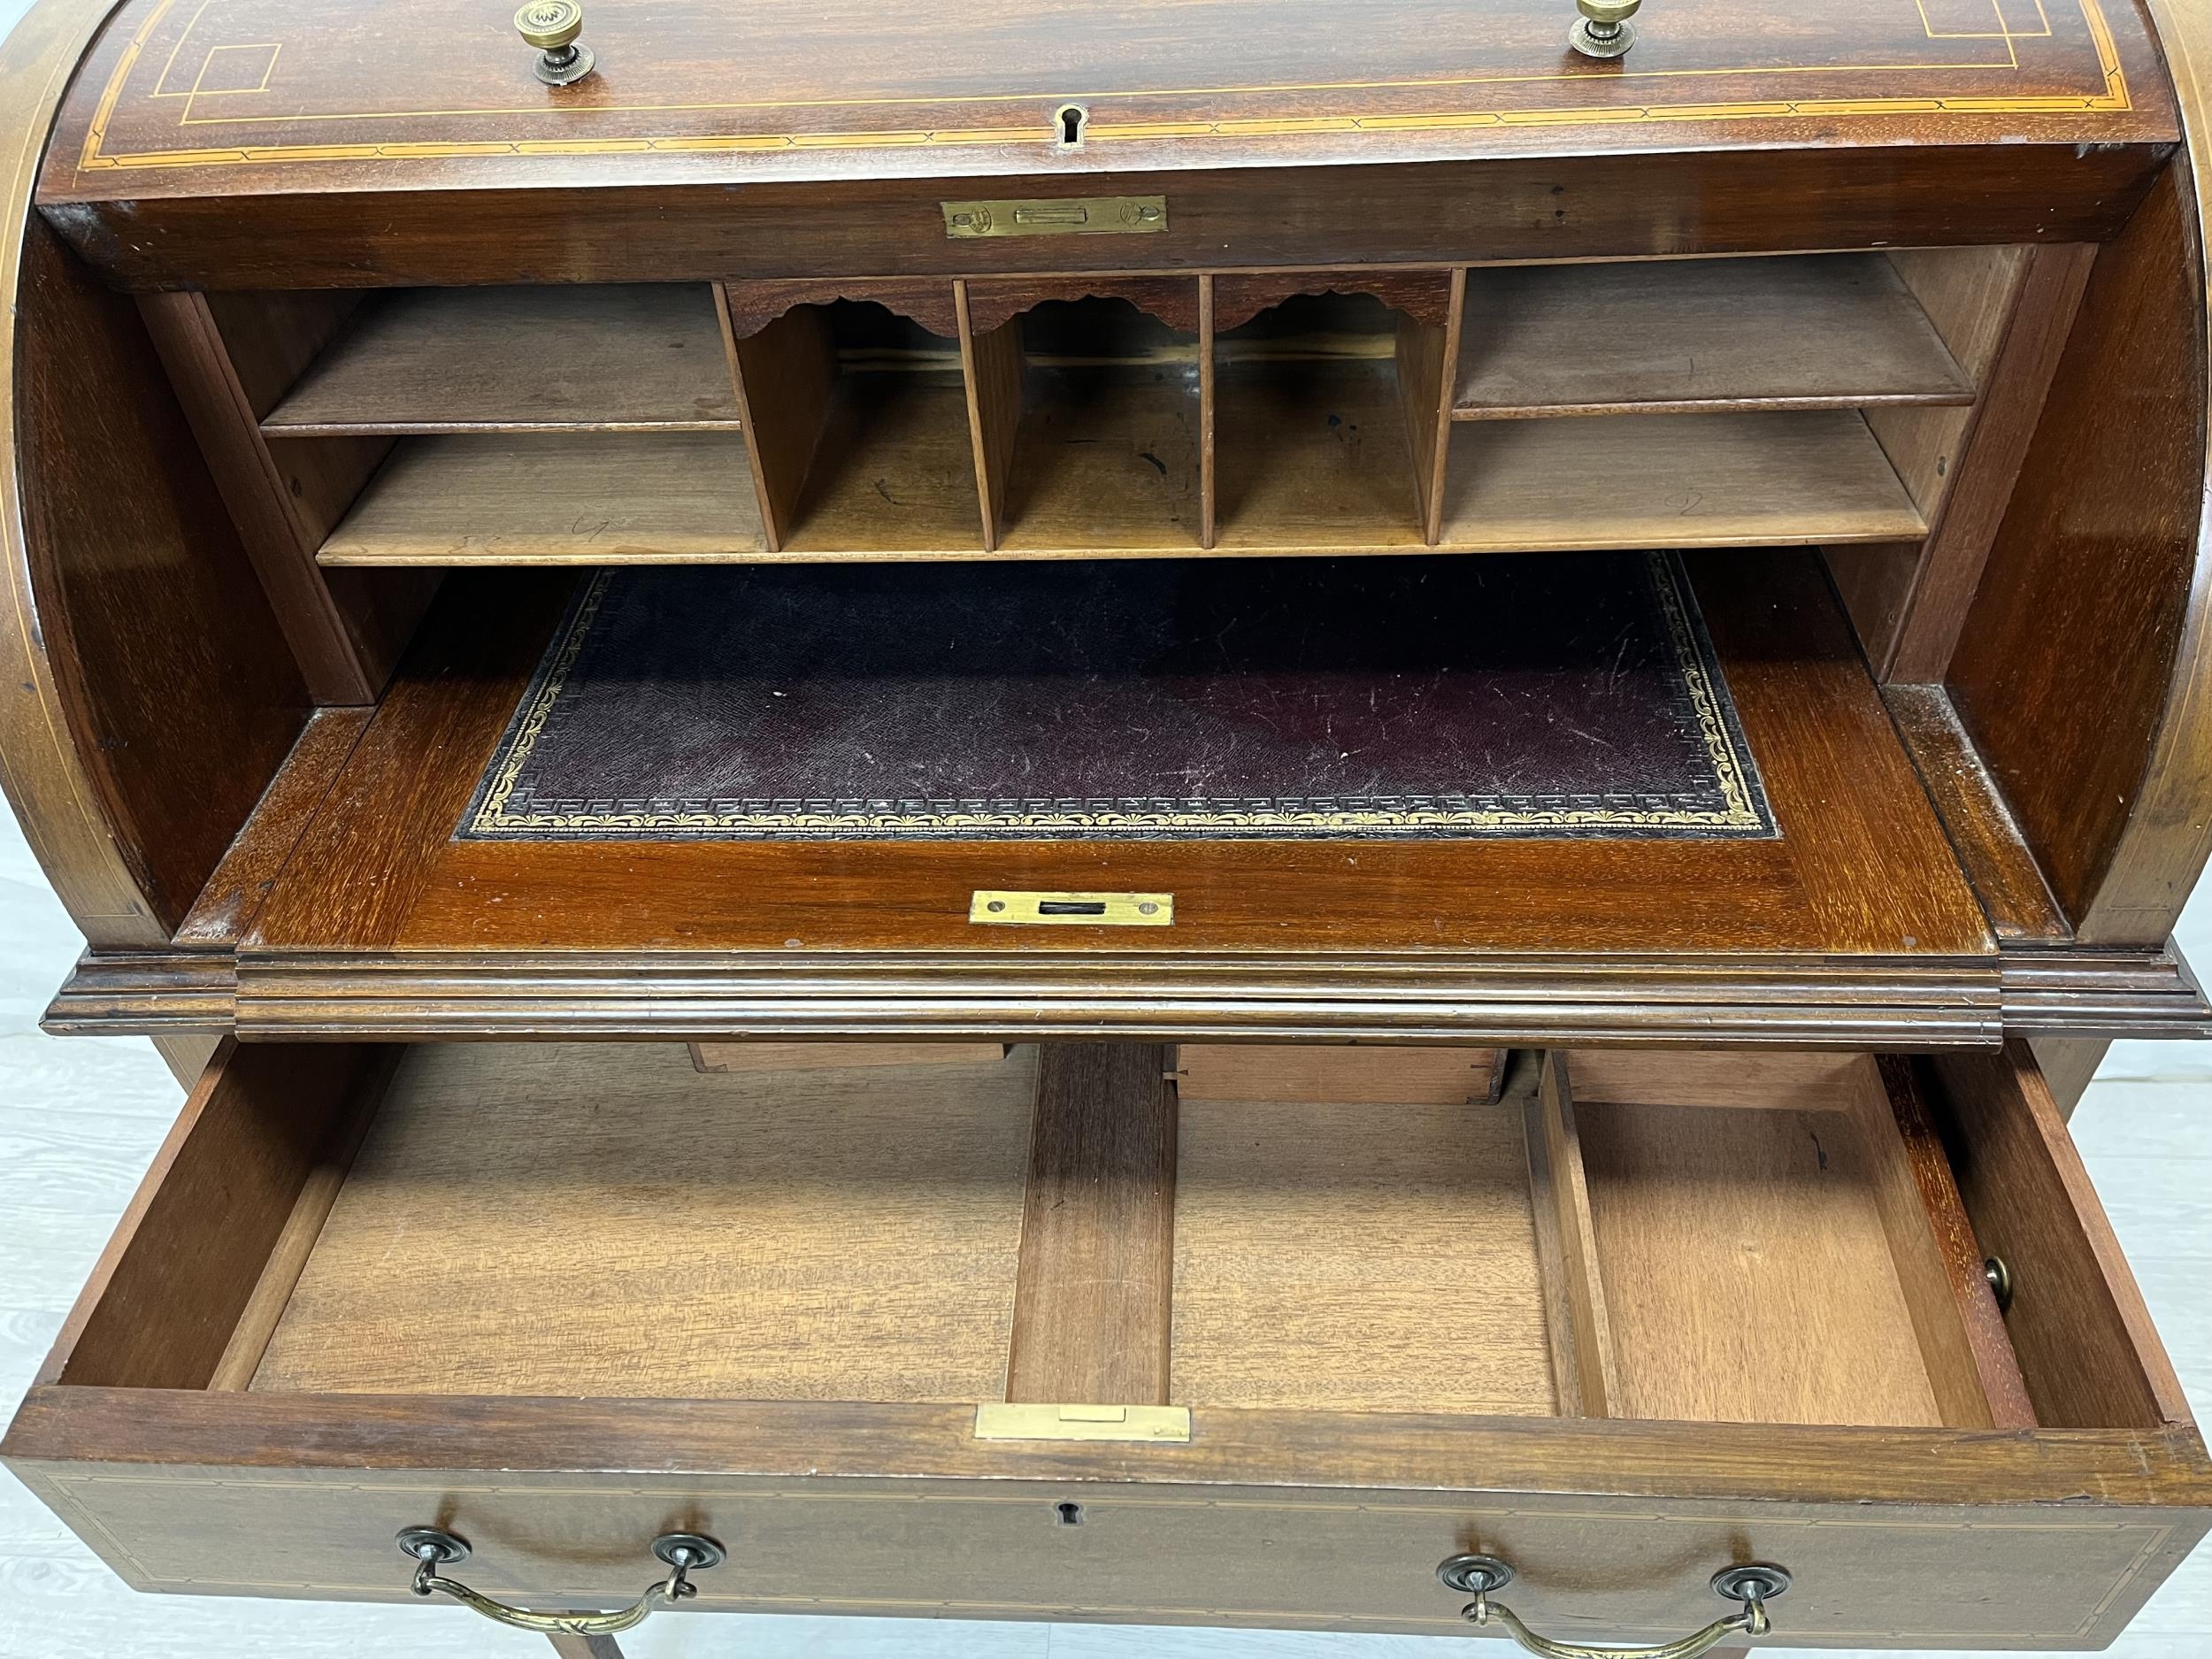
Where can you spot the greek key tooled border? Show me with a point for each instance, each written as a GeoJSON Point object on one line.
{"type": "Point", "coordinates": [1743, 811]}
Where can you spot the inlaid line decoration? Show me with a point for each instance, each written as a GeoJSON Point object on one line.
{"type": "Point", "coordinates": [227, 103]}
{"type": "Point", "coordinates": [1428, 699]}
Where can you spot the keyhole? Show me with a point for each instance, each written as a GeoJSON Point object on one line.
{"type": "Point", "coordinates": [1071, 119]}
{"type": "Point", "coordinates": [1070, 1514]}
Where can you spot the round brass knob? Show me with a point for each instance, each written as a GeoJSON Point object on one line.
{"type": "Point", "coordinates": [1603, 29]}
{"type": "Point", "coordinates": [552, 27]}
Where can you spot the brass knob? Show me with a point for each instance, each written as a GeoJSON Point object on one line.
{"type": "Point", "coordinates": [1603, 29]}
{"type": "Point", "coordinates": [552, 27]}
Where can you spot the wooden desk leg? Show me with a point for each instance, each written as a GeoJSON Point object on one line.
{"type": "Point", "coordinates": [586, 1647]}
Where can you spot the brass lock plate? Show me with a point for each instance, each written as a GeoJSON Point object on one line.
{"type": "Point", "coordinates": [1170, 1424]}
{"type": "Point", "coordinates": [1058, 216]}
{"type": "Point", "coordinates": [993, 908]}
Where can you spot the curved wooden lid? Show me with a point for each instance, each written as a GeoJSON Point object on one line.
{"type": "Point", "coordinates": [188, 98]}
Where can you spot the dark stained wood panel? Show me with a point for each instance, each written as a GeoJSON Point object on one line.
{"type": "Point", "coordinates": [646, 357]}
{"type": "Point", "coordinates": [1092, 1298]}
{"type": "Point", "coordinates": [2068, 653]}
{"type": "Point", "coordinates": [1982, 828]}
{"type": "Point", "coordinates": [1841, 331]}
{"type": "Point", "coordinates": [189, 99]}
{"type": "Point", "coordinates": [1548, 207]}
{"type": "Point", "coordinates": [1273, 137]}
{"type": "Point", "coordinates": [179, 693]}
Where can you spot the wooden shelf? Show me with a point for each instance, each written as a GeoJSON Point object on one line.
{"type": "Point", "coordinates": [1824, 331]}
{"type": "Point", "coordinates": [609, 498]}
{"type": "Point", "coordinates": [620, 359]}
{"type": "Point", "coordinates": [1314, 455]}
{"type": "Point", "coordinates": [1673, 482]}
{"type": "Point", "coordinates": [1106, 462]}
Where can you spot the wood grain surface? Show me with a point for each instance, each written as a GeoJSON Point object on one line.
{"type": "Point", "coordinates": [1094, 1290]}
{"type": "Point", "coordinates": [1747, 1274]}
{"type": "Point", "coordinates": [1759, 480]}
{"type": "Point", "coordinates": [616, 359]}
{"type": "Point", "coordinates": [1982, 827]}
{"type": "Point", "coordinates": [2086, 1345]}
{"type": "Point", "coordinates": [1586, 1365]}
{"type": "Point", "coordinates": [139, 735]}
{"type": "Point", "coordinates": [1368, 1075]}
{"type": "Point", "coordinates": [1972, 1370]}
{"type": "Point", "coordinates": [1667, 337]}
{"type": "Point", "coordinates": [159, 1307]}
{"type": "Point", "coordinates": [1321, 1265]}
{"type": "Point", "coordinates": [569, 1219]}
{"type": "Point", "coordinates": [281, 512]}
{"type": "Point", "coordinates": [554, 498]}
{"type": "Point", "coordinates": [1312, 454]}
{"type": "Point", "coordinates": [791, 93]}
{"type": "Point", "coordinates": [1862, 867]}
{"type": "Point", "coordinates": [2072, 689]}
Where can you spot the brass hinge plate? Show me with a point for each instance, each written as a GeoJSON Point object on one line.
{"type": "Point", "coordinates": [993, 908]}
{"type": "Point", "coordinates": [1168, 1424]}
{"type": "Point", "coordinates": [1060, 216]}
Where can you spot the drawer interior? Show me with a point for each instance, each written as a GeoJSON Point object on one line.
{"type": "Point", "coordinates": [1625, 1234]}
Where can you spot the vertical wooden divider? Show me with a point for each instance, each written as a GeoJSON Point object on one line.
{"type": "Point", "coordinates": [1208, 401]}
{"type": "Point", "coordinates": [1093, 1289]}
{"type": "Point", "coordinates": [1972, 1370]}
{"type": "Point", "coordinates": [326, 1178]}
{"type": "Point", "coordinates": [1585, 1373]}
{"type": "Point", "coordinates": [2014, 384]}
{"type": "Point", "coordinates": [231, 358]}
{"type": "Point", "coordinates": [2089, 1351]}
{"type": "Point", "coordinates": [991, 366]}
{"type": "Point", "coordinates": [783, 375]}
{"type": "Point", "coordinates": [1428, 377]}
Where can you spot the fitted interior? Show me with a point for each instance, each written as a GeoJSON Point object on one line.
{"type": "Point", "coordinates": [606, 1219]}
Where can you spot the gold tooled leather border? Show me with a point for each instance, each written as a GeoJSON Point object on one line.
{"type": "Point", "coordinates": [1744, 812]}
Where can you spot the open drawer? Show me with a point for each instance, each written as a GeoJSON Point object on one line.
{"type": "Point", "coordinates": [1237, 1335]}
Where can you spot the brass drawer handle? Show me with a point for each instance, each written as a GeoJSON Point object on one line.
{"type": "Point", "coordinates": [431, 1547]}
{"type": "Point", "coordinates": [1754, 1585]}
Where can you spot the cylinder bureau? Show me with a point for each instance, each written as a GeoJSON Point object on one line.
{"type": "Point", "coordinates": [1246, 814]}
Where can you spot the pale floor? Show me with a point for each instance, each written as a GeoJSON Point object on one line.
{"type": "Point", "coordinates": [80, 1120]}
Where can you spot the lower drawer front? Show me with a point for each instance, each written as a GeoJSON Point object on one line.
{"type": "Point", "coordinates": [1621, 1320]}
{"type": "Point", "coordinates": [1589, 1568]}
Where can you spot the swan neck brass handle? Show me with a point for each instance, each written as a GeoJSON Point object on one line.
{"type": "Point", "coordinates": [1753, 1585]}
{"type": "Point", "coordinates": [683, 1553]}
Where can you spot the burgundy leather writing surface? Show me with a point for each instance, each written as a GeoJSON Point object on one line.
{"type": "Point", "coordinates": [1424, 698]}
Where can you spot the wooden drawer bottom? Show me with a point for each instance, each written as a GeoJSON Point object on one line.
{"type": "Point", "coordinates": [1631, 1319]}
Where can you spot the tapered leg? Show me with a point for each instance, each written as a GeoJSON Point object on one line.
{"type": "Point", "coordinates": [586, 1647]}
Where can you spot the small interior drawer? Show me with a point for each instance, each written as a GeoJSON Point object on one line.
{"type": "Point", "coordinates": [1301, 1323]}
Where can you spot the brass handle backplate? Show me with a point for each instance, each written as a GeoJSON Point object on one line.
{"type": "Point", "coordinates": [1754, 1585]}
{"type": "Point", "coordinates": [431, 1547]}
